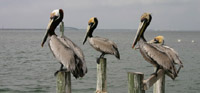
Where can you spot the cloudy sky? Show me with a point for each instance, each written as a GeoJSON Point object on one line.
{"type": "Point", "coordinates": [112, 14]}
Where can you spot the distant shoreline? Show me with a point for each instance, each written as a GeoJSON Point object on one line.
{"type": "Point", "coordinates": [76, 29]}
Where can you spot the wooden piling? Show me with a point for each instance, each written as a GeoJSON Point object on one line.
{"type": "Point", "coordinates": [101, 76]}
{"type": "Point", "coordinates": [63, 80]}
{"type": "Point", "coordinates": [159, 86]}
{"type": "Point", "coordinates": [135, 82]}
{"type": "Point", "coordinates": [62, 28]}
{"type": "Point", "coordinates": [153, 79]}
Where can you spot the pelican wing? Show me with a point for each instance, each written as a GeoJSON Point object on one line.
{"type": "Point", "coordinates": [66, 41]}
{"type": "Point", "coordinates": [104, 45]}
{"type": "Point", "coordinates": [78, 52]}
{"type": "Point", "coordinates": [172, 54]}
{"type": "Point", "coordinates": [156, 54]}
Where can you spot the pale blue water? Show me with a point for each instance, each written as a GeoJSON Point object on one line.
{"type": "Point", "coordinates": [26, 67]}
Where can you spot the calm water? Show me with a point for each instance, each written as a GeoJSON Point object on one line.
{"type": "Point", "coordinates": [25, 67]}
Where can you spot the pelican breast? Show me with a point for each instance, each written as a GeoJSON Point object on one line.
{"type": "Point", "coordinates": [78, 52]}
{"type": "Point", "coordinates": [63, 53]}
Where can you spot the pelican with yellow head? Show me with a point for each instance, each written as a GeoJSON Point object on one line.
{"type": "Point", "coordinates": [158, 55]}
{"type": "Point", "coordinates": [64, 50]}
{"type": "Point", "coordinates": [103, 45]}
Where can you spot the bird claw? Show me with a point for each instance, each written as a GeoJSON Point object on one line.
{"type": "Point", "coordinates": [55, 74]}
{"type": "Point", "coordinates": [61, 70]}
{"type": "Point", "coordinates": [154, 74]}
{"type": "Point", "coordinates": [98, 60]}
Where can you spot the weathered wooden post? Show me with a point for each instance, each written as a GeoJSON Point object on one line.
{"type": "Point", "coordinates": [63, 78]}
{"type": "Point", "coordinates": [135, 82]}
{"type": "Point", "coordinates": [63, 82]}
{"type": "Point", "coordinates": [159, 86]}
{"type": "Point", "coordinates": [62, 28]}
{"type": "Point", "coordinates": [158, 82]}
{"type": "Point", "coordinates": [101, 76]}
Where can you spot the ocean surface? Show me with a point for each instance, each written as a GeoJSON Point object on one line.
{"type": "Point", "coordinates": [26, 67]}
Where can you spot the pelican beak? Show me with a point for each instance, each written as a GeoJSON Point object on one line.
{"type": "Point", "coordinates": [87, 33]}
{"type": "Point", "coordinates": [48, 29]}
{"type": "Point", "coordinates": [139, 33]}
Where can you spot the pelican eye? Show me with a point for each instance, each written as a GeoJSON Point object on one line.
{"type": "Point", "coordinates": [144, 19]}
{"type": "Point", "coordinates": [90, 24]}
{"type": "Point", "coordinates": [53, 17]}
{"type": "Point", "coordinates": [156, 41]}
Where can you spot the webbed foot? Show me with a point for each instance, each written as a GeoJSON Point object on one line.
{"type": "Point", "coordinates": [98, 60]}
{"type": "Point", "coordinates": [61, 70]}
{"type": "Point", "coordinates": [155, 74]}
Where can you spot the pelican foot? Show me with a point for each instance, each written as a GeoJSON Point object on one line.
{"type": "Point", "coordinates": [55, 74]}
{"type": "Point", "coordinates": [154, 74]}
{"type": "Point", "coordinates": [98, 60]}
{"type": "Point", "coordinates": [61, 70]}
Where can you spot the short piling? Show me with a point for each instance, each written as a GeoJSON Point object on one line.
{"type": "Point", "coordinates": [159, 86]}
{"type": "Point", "coordinates": [63, 80]}
{"type": "Point", "coordinates": [135, 82]}
{"type": "Point", "coordinates": [101, 76]}
{"type": "Point", "coordinates": [62, 28]}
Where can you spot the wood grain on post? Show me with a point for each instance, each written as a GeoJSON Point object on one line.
{"type": "Point", "coordinates": [62, 28]}
{"type": "Point", "coordinates": [63, 80]}
{"type": "Point", "coordinates": [135, 82]}
{"type": "Point", "coordinates": [159, 81]}
{"type": "Point", "coordinates": [159, 86]}
{"type": "Point", "coordinates": [101, 76]}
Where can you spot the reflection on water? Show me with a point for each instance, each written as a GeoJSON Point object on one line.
{"type": "Point", "coordinates": [26, 67]}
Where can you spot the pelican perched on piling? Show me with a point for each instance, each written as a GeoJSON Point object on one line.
{"type": "Point", "coordinates": [102, 45]}
{"type": "Point", "coordinates": [156, 54]}
{"type": "Point", "coordinates": [70, 56]}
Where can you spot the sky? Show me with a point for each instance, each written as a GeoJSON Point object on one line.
{"type": "Point", "coordinates": [112, 14]}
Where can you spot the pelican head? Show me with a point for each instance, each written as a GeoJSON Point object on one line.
{"type": "Point", "coordinates": [92, 24]}
{"type": "Point", "coordinates": [158, 40]}
{"type": "Point", "coordinates": [144, 22]}
{"type": "Point", "coordinates": [55, 18]}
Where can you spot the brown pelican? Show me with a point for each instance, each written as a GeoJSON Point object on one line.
{"type": "Point", "coordinates": [69, 55]}
{"type": "Point", "coordinates": [154, 53]}
{"type": "Point", "coordinates": [102, 45]}
{"type": "Point", "coordinates": [170, 51]}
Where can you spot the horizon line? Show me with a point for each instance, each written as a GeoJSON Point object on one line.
{"type": "Point", "coordinates": [73, 28]}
